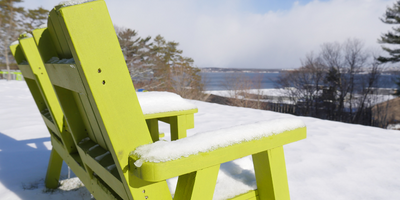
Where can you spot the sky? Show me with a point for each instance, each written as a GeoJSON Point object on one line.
{"type": "Point", "coordinates": [266, 34]}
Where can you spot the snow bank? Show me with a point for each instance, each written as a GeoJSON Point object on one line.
{"type": "Point", "coordinates": [163, 151]}
{"type": "Point", "coordinates": [393, 127]}
{"type": "Point", "coordinates": [159, 102]}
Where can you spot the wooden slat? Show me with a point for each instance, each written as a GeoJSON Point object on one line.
{"type": "Point", "coordinates": [75, 167]}
{"type": "Point", "coordinates": [168, 114]}
{"type": "Point", "coordinates": [17, 52]}
{"type": "Point", "coordinates": [26, 71]}
{"type": "Point", "coordinates": [251, 195]}
{"type": "Point", "coordinates": [51, 125]}
{"type": "Point", "coordinates": [93, 153]}
{"type": "Point", "coordinates": [36, 64]}
{"type": "Point", "coordinates": [90, 120]}
{"type": "Point", "coordinates": [92, 184]}
{"type": "Point", "coordinates": [197, 185]}
{"type": "Point", "coordinates": [117, 110]}
{"type": "Point", "coordinates": [271, 176]}
{"type": "Point", "coordinates": [44, 44]}
{"type": "Point", "coordinates": [65, 76]}
{"type": "Point", "coordinates": [74, 118]}
{"type": "Point", "coordinates": [55, 18]}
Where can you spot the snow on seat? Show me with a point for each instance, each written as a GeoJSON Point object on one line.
{"type": "Point", "coordinates": [163, 151]}
{"type": "Point", "coordinates": [160, 102]}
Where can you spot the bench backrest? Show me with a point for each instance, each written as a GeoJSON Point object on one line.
{"type": "Point", "coordinates": [42, 90]}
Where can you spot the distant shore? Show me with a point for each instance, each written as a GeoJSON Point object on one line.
{"type": "Point", "coordinates": [387, 71]}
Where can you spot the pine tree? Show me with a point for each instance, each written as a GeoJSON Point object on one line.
{"type": "Point", "coordinates": [392, 16]}
{"type": "Point", "coordinates": [159, 65]}
{"type": "Point", "coordinates": [13, 21]}
{"type": "Point", "coordinates": [34, 18]}
{"type": "Point", "coordinates": [10, 16]}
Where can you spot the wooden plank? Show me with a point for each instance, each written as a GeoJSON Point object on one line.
{"type": "Point", "coordinates": [168, 114]}
{"type": "Point", "coordinates": [44, 44]}
{"type": "Point", "coordinates": [65, 76]}
{"type": "Point", "coordinates": [70, 109]}
{"type": "Point", "coordinates": [152, 124]}
{"type": "Point", "coordinates": [53, 170]}
{"type": "Point", "coordinates": [56, 21]}
{"type": "Point", "coordinates": [51, 125]}
{"type": "Point", "coordinates": [26, 71]}
{"type": "Point", "coordinates": [75, 167]}
{"type": "Point", "coordinates": [164, 170]}
{"type": "Point", "coordinates": [53, 35]}
{"type": "Point", "coordinates": [198, 185]}
{"type": "Point", "coordinates": [36, 64]}
{"type": "Point", "coordinates": [102, 171]}
{"type": "Point", "coordinates": [105, 75]}
{"type": "Point", "coordinates": [16, 51]}
{"type": "Point", "coordinates": [271, 177]}
{"type": "Point", "coordinates": [90, 120]}
{"type": "Point", "coordinates": [251, 195]}
{"type": "Point", "coordinates": [178, 128]}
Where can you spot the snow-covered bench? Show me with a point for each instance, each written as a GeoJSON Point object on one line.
{"type": "Point", "coordinates": [102, 132]}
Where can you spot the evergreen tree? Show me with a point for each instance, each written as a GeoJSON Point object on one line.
{"type": "Point", "coordinates": [397, 93]}
{"type": "Point", "coordinates": [34, 18]}
{"type": "Point", "coordinates": [392, 16]}
{"type": "Point", "coordinates": [159, 65]}
{"type": "Point", "coordinates": [13, 21]}
{"type": "Point", "coordinates": [10, 27]}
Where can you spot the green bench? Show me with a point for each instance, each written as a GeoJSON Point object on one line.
{"type": "Point", "coordinates": [98, 128]}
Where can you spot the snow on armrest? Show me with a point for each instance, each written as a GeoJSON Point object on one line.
{"type": "Point", "coordinates": [73, 2]}
{"type": "Point", "coordinates": [159, 102]}
{"type": "Point", "coordinates": [162, 151]}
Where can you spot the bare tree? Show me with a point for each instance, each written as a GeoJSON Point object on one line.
{"type": "Point", "coordinates": [306, 83]}
{"type": "Point", "coordinates": [186, 80]}
{"type": "Point", "coordinates": [244, 91]}
{"type": "Point", "coordinates": [337, 83]}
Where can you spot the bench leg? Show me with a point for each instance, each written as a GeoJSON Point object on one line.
{"type": "Point", "coordinates": [53, 170]}
{"type": "Point", "coordinates": [199, 185]}
{"type": "Point", "coordinates": [152, 124]}
{"type": "Point", "coordinates": [178, 127]}
{"type": "Point", "coordinates": [271, 177]}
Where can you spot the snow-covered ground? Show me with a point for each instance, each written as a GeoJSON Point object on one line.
{"type": "Point", "coordinates": [336, 161]}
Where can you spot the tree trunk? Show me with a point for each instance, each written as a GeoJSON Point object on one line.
{"type": "Point", "coordinates": [7, 64]}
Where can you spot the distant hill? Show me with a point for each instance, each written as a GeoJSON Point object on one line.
{"type": "Point", "coordinates": [243, 70]}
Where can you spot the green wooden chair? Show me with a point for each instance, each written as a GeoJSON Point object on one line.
{"type": "Point", "coordinates": [46, 100]}
{"type": "Point", "coordinates": [102, 133]}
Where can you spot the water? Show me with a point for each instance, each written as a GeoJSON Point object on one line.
{"type": "Point", "coordinates": [215, 81]}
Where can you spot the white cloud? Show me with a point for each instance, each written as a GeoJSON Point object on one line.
{"type": "Point", "coordinates": [221, 34]}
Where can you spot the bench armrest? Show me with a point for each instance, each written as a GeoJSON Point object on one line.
{"type": "Point", "coordinates": [163, 160]}
{"type": "Point", "coordinates": [162, 102]}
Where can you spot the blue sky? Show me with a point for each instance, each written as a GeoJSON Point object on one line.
{"type": "Point", "coordinates": [250, 33]}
